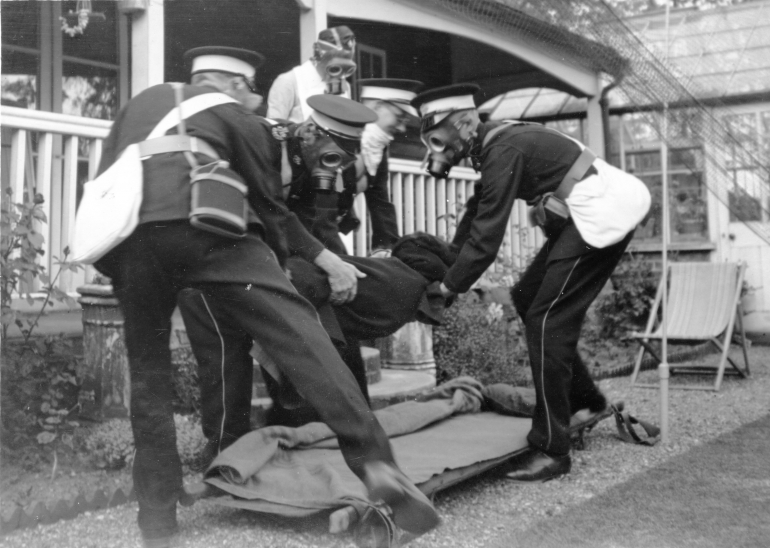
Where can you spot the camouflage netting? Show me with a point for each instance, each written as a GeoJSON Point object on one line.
{"type": "Point", "coordinates": [643, 82]}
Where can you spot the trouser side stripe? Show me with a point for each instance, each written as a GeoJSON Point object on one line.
{"type": "Point", "coordinates": [221, 373]}
{"type": "Point", "coordinates": [542, 352]}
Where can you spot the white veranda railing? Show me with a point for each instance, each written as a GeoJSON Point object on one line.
{"type": "Point", "coordinates": [435, 206]}
{"type": "Point", "coordinates": [54, 154]}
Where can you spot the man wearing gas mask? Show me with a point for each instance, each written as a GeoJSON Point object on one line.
{"type": "Point", "coordinates": [588, 211]}
{"type": "Point", "coordinates": [238, 276]}
{"type": "Point", "coordinates": [325, 73]}
{"type": "Point", "coordinates": [327, 209]}
{"type": "Point", "coordinates": [390, 99]}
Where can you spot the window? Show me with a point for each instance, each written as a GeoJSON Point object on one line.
{"type": "Point", "coordinates": [748, 141]}
{"type": "Point", "coordinates": [21, 54]}
{"type": "Point", "coordinates": [371, 62]}
{"type": "Point", "coordinates": [636, 148]}
{"type": "Point", "coordinates": [46, 69]}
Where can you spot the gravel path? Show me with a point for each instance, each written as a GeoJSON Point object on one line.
{"type": "Point", "coordinates": [476, 513]}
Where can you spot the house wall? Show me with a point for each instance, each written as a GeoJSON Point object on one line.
{"type": "Point", "coordinates": [412, 53]}
{"type": "Point", "coordinates": [270, 27]}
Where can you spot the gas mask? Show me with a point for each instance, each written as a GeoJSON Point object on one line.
{"type": "Point", "coordinates": [324, 158]}
{"type": "Point", "coordinates": [446, 147]}
{"type": "Point", "coordinates": [336, 72]}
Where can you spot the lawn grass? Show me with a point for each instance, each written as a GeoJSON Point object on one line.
{"type": "Point", "coordinates": [715, 495]}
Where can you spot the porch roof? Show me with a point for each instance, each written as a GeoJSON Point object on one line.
{"type": "Point", "coordinates": [558, 58]}
{"type": "Point", "coordinates": [569, 46]}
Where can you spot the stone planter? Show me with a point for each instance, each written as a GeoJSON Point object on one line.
{"type": "Point", "coordinates": [106, 360]}
{"type": "Point", "coordinates": [410, 348]}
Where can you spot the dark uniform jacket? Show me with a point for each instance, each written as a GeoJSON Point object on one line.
{"type": "Point", "coordinates": [237, 135]}
{"type": "Point", "coordinates": [520, 163]}
{"type": "Point", "coordinates": [325, 215]}
{"type": "Point", "coordinates": [381, 211]}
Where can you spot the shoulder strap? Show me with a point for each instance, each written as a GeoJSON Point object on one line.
{"type": "Point", "coordinates": [189, 107]}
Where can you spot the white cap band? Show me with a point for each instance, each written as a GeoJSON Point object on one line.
{"type": "Point", "coordinates": [386, 94]}
{"type": "Point", "coordinates": [335, 126]}
{"type": "Point", "coordinates": [447, 104]}
{"type": "Point", "coordinates": [222, 63]}
{"type": "Point", "coordinates": [399, 97]}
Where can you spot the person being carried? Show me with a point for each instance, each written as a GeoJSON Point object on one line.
{"type": "Point", "coordinates": [241, 279]}
{"type": "Point", "coordinates": [588, 211]}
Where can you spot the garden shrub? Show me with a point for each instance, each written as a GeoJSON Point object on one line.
{"type": "Point", "coordinates": [481, 340]}
{"type": "Point", "coordinates": [111, 444]}
{"type": "Point", "coordinates": [41, 393]}
{"type": "Point", "coordinates": [491, 346]}
{"type": "Point", "coordinates": [628, 306]}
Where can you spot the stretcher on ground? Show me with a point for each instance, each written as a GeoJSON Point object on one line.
{"type": "Point", "coordinates": [449, 436]}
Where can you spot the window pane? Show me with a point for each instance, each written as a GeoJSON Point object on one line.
{"type": "Point", "coordinates": [745, 197]}
{"type": "Point", "coordinates": [651, 231]}
{"type": "Point", "coordinates": [765, 158]}
{"type": "Point", "coordinates": [640, 130]}
{"type": "Point", "coordinates": [19, 25]}
{"type": "Point", "coordinates": [686, 158]}
{"type": "Point", "coordinates": [93, 97]}
{"type": "Point", "coordinates": [19, 90]}
{"type": "Point", "coordinates": [643, 162]}
{"type": "Point", "coordinates": [742, 139]}
{"type": "Point", "coordinates": [99, 40]}
{"type": "Point", "coordinates": [689, 210]}
{"type": "Point", "coordinates": [684, 126]}
{"type": "Point", "coordinates": [20, 57]}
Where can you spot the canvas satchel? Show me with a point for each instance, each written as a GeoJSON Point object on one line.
{"type": "Point", "coordinates": [109, 210]}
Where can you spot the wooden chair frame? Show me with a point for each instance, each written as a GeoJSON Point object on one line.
{"type": "Point", "coordinates": [652, 330]}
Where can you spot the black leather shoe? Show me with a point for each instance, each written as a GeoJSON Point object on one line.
{"type": "Point", "coordinates": [412, 510]}
{"type": "Point", "coordinates": [538, 467]}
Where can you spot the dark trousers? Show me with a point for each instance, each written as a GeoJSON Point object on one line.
{"type": "Point", "coordinates": [552, 297]}
{"type": "Point", "coordinates": [225, 369]}
{"type": "Point", "coordinates": [242, 282]}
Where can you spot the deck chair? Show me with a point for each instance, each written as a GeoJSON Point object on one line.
{"type": "Point", "coordinates": [704, 301]}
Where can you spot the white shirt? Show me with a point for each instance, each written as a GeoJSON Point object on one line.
{"type": "Point", "coordinates": [287, 99]}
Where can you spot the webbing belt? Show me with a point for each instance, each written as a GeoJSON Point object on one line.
{"type": "Point", "coordinates": [575, 174]}
{"type": "Point", "coordinates": [176, 143]}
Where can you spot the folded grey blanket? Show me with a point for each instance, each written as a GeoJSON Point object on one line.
{"type": "Point", "coordinates": [300, 471]}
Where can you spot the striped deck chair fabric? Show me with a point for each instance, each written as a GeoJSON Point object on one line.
{"type": "Point", "coordinates": [703, 305]}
